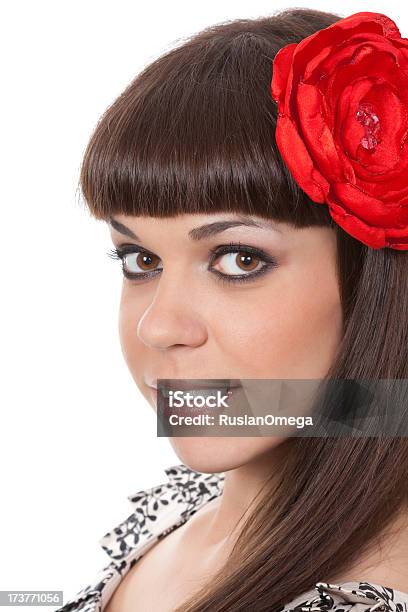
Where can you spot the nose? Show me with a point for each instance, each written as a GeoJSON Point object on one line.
{"type": "Point", "coordinates": [173, 317]}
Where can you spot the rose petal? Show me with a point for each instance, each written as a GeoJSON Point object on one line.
{"type": "Point", "coordinates": [373, 64]}
{"type": "Point", "coordinates": [365, 23]}
{"type": "Point", "coordinates": [355, 49]}
{"type": "Point", "coordinates": [367, 208]}
{"type": "Point", "coordinates": [373, 237]}
{"type": "Point", "coordinates": [392, 120]}
{"type": "Point", "coordinates": [314, 64]}
{"type": "Point", "coordinates": [317, 135]}
{"type": "Point", "coordinates": [349, 130]}
{"type": "Point", "coordinates": [397, 239]}
{"type": "Point", "coordinates": [281, 66]}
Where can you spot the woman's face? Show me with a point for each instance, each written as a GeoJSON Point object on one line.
{"type": "Point", "coordinates": [226, 296]}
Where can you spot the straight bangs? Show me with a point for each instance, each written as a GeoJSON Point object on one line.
{"type": "Point", "coordinates": [194, 133]}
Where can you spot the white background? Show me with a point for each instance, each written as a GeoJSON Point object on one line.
{"type": "Point", "coordinates": [77, 437]}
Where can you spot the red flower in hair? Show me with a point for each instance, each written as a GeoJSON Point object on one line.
{"type": "Point", "coordinates": [342, 128]}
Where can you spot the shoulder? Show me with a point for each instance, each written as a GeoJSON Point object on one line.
{"type": "Point", "coordinates": [354, 596]}
{"type": "Point", "coordinates": [155, 512]}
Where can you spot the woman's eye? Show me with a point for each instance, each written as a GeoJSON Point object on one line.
{"type": "Point", "coordinates": [136, 264]}
{"type": "Point", "coordinates": [237, 262]}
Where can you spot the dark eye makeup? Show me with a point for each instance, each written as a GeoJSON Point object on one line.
{"type": "Point", "coordinates": [122, 251]}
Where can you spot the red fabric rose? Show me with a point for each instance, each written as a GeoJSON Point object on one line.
{"type": "Point", "coordinates": [342, 128]}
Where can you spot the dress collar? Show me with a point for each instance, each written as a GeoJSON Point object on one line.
{"type": "Point", "coordinates": [160, 508]}
{"type": "Point", "coordinates": [334, 596]}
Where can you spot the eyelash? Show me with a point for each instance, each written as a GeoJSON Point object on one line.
{"type": "Point", "coordinates": [233, 247]}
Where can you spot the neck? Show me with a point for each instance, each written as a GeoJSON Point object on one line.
{"type": "Point", "coordinates": [241, 486]}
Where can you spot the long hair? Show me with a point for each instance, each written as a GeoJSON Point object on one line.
{"type": "Point", "coordinates": [194, 133]}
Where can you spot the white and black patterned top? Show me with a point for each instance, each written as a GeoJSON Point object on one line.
{"type": "Point", "coordinates": [162, 508]}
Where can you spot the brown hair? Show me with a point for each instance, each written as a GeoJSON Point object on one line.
{"type": "Point", "coordinates": [194, 133]}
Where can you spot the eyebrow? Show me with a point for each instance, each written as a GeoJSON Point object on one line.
{"type": "Point", "coordinates": [204, 231]}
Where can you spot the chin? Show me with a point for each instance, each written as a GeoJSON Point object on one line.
{"type": "Point", "coordinates": [221, 454]}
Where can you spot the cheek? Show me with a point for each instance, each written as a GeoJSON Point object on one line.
{"type": "Point", "coordinates": [294, 334]}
